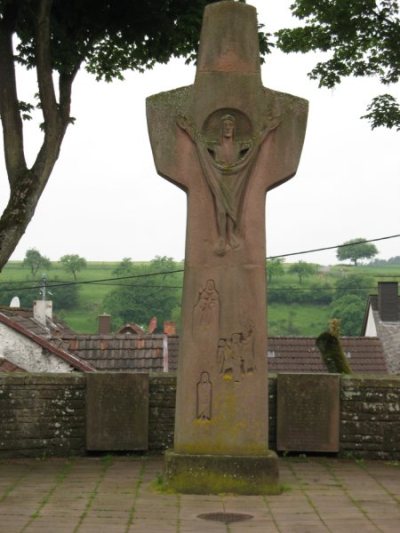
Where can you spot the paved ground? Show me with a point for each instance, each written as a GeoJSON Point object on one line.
{"type": "Point", "coordinates": [117, 494]}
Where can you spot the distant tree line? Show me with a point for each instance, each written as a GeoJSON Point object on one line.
{"type": "Point", "coordinates": [36, 262]}
{"type": "Point", "coordinates": [144, 295]}
{"type": "Point", "coordinates": [346, 297]}
{"type": "Point", "coordinates": [63, 297]}
{"type": "Point", "coordinates": [383, 262]}
{"type": "Point", "coordinates": [141, 295]}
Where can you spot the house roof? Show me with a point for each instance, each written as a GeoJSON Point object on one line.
{"type": "Point", "coordinates": [300, 354]}
{"type": "Point", "coordinates": [285, 354]}
{"type": "Point", "coordinates": [119, 352]}
{"type": "Point", "coordinates": [382, 318]}
{"type": "Point", "coordinates": [8, 366]}
{"type": "Point", "coordinates": [132, 329]}
{"type": "Point", "coordinates": [18, 324]}
{"type": "Point", "coordinates": [24, 317]}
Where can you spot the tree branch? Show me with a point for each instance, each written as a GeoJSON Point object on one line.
{"type": "Point", "coordinates": [9, 109]}
{"type": "Point", "coordinates": [65, 87]}
{"type": "Point", "coordinates": [44, 67]}
{"type": "Point", "coordinates": [54, 125]}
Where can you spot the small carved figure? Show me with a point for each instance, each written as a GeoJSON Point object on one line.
{"type": "Point", "coordinates": [204, 397]}
{"type": "Point", "coordinates": [221, 354]}
{"type": "Point", "coordinates": [228, 356]}
{"type": "Point", "coordinates": [224, 353]}
{"type": "Point", "coordinates": [235, 356]}
{"type": "Point", "coordinates": [248, 358]}
{"type": "Point", "coordinates": [236, 349]}
{"type": "Point", "coordinates": [208, 303]}
{"type": "Point", "coordinates": [206, 312]}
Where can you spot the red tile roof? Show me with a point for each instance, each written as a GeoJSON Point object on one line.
{"type": "Point", "coordinates": [299, 354]}
{"type": "Point", "coordinates": [24, 317]}
{"type": "Point", "coordinates": [285, 354]}
{"type": "Point", "coordinates": [131, 328]}
{"type": "Point", "coordinates": [7, 366]}
{"type": "Point", "coordinates": [119, 352]}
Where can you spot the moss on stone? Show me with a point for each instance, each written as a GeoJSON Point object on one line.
{"type": "Point", "coordinates": [217, 483]}
{"type": "Point", "coordinates": [215, 474]}
{"type": "Point", "coordinates": [332, 353]}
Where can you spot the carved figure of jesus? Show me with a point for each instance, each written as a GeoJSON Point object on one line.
{"type": "Point", "coordinates": [226, 154]}
{"type": "Point", "coordinates": [226, 164]}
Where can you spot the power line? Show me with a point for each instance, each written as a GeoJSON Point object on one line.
{"type": "Point", "coordinates": [131, 285]}
{"type": "Point", "coordinates": [179, 287]}
{"type": "Point", "coordinates": [98, 281]}
{"type": "Point", "coordinates": [168, 272]}
{"type": "Point", "coordinates": [334, 247]}
{"type": "Point", "coordinates": [319, 289]}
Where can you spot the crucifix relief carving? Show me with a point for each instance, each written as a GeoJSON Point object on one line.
{"type": "Point", "coordinates": [226, 140]}
{"type": "Point", "coordinates": [226, 148]}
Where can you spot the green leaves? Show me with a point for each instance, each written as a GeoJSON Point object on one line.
{"type": "Point", "coordinates": [361, 38]}
{"type": "Point", "coordinates": [349, 309]}
{"type": "Point", "coordinates": [302, 269]}
{"type": "Point", "coordinates": [384, 110]}
{"type": "Point", "coordinates": [275, 267]}
{"type": "Point", "coordinates": [73, 264]}
{"type": "Point", "coordinates": [356, 249]}
{"type": "Point", "coordinates": [25, 109]}
{"type": "Point", "coordinates": [146, 294]}
{"type": "Point", "coordinates": [36, 261]}
{"type": "Point", "coordinates": [112, 36]}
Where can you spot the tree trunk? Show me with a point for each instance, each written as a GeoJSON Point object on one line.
{"type": "Point", "coordinates": [19, 211]}
{"type": "Point", "coordinates": [25, 192]}
{"type": "Point", "coordinates": [27, 185]}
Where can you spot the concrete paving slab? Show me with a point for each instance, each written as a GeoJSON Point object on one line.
{"type": "Point", "coordinates": [118, 495]}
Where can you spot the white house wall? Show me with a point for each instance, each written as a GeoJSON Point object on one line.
{"type": "Point", "coordinates": [370, 329]}
{"type": "Point", "coordinates": [28, 355]}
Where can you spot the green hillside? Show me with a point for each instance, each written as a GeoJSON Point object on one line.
{"type": "Point", "coordinates": [294, 307]}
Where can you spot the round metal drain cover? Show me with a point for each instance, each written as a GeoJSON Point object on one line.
{"type": "Point", "coordinates": [226, 518]}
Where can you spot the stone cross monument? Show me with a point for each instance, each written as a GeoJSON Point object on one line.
{"type": "Point", "coordinates": [226, 140]}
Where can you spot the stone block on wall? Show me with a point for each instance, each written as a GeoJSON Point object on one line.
{"type": "Point", "coordinates": [308, 411]}
{"type": "Point", "coordinates": [117, 411]}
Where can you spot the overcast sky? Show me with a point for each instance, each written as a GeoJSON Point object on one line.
{"type": "Point", "coordinates": [104, 200]}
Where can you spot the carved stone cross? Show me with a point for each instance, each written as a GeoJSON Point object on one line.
{"type": "Point", "coordinates": [226, 140]}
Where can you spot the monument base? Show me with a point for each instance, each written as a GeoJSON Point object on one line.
{"type": "Point", "coordinates": [214, 474]}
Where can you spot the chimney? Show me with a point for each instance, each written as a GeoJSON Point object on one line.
{"type": "Point", "coordinates": [152, 325]}
{"type": "Point", "coordinates": [388, 301]}
{"type": "Point", "coordinates": [169, 327]}
{"type": "Point", "coordinates": [43, 311]}
{"type": "Point", "coordinates": [104, 324]}
{"type": "Point", "coordinates": [15, 302]}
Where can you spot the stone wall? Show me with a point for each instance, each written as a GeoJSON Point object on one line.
{"type": "Point", "coordinates": [370, 417]}
{"type": "Point", "coordinates": [162, 388]}
{"type": "Point", "coordinates": [173, 349]}
{"type": "Point", "coordinates": [272, 406]}
{"type": "Point", "coordinates": [44, 414]}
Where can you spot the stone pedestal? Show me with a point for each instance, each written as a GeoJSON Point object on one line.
{"type": "Point", "coordinates": [214, 474]}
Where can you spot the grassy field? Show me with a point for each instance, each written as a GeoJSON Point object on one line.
{"type": "Point", "coordinates": [297, 319]}
{"type": "Point", "coordinates": [283, 318]}
{"type": "Point", "coordinates": [83, 318]}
